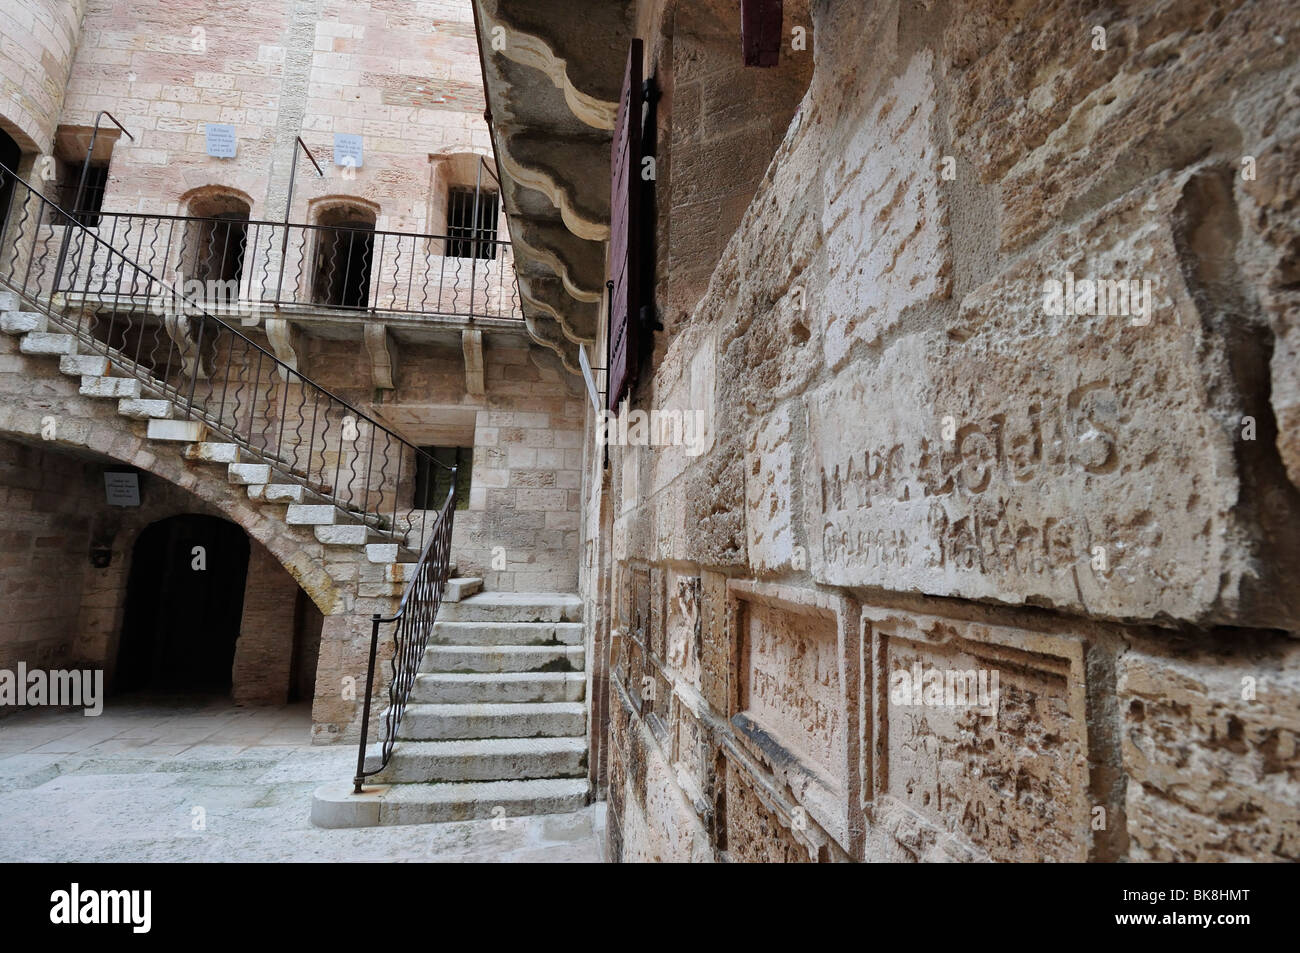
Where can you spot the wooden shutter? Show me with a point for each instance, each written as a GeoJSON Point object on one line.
{"type": "Point", "coordinates": [624, 234]}
{"type": "Point", "coordinates": [760, 31]}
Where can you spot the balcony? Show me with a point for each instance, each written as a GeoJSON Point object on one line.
{"type": "Point", "coordinates": [247, 269]}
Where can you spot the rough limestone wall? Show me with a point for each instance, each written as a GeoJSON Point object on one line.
{"type": "Point", "coordinates": [38, 40]}
{"type": "Point", "coordinates": [345, 587]}
{"type": "Point", "coordinates": [44, 555]}
{"type": "Point", "coordinates": [520, 530]}
{"type": "Point", "coordinates": [264, 649]}
{"type": "Point", "coordinates": [918, 463]}
{"type": "Point", "coordinates": [402, 75]}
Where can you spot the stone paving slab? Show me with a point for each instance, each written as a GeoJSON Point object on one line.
{"type": "Point", "coordinates": [123, 788]}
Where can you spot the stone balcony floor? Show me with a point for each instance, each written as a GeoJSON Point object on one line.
{"type": "Point", "coordinates": [123, 787]}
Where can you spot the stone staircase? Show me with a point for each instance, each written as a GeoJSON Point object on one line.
{"type": "Point", "coordinates": [302, 505]}
{"type": "Point", "coordinates": [496, 725]}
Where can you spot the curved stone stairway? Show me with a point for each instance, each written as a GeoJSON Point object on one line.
{"type": "Point", "coordinates": [496, 725]}
{"type": "Point", "coordinates": [304, 506]}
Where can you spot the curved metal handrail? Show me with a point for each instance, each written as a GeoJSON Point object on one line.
{"type": "Point", "coordinates": [412, 625]}
{"type": "Point", "coordinates": [204, 357]}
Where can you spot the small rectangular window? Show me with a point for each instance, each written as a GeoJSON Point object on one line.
{"type": "Point", "coordinates": [92, 193]}
{"type": "Point", "coordinates": [471, 224]}
{"type": "Point", "coordinates": [433, 482]}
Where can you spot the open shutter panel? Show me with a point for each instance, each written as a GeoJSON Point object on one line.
{"type": "Point", "coordinates": [760, 31]}
{"type": "Point", "coordinates": [624, 232]}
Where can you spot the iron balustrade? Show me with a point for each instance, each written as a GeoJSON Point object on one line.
{"type": "Point", "coordinates": [210, 371]}
{"type": "Point", "coordinates": [412, 625]}
{"type": "Point", "coordinates": [88, 287]}
{"type": "Point", "coordinates": [252, 265]}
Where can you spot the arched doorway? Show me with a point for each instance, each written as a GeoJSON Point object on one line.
{"type": "Point", "coordinates": [10, 155]}
{"type": "Point", "coordinates": [216, 238]}
{"type": "Point", "coordinates": [184, 603]}
{"type": "Point", "coordinates": [344, 254]}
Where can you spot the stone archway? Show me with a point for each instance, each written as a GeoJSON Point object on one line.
{"type": "Point", "coordinates": [37, 407]}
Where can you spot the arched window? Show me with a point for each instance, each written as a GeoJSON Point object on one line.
{"type": "Point", "coordinates": [216, 237]}
{"type": "Point", "coordinates": [10, 156]}
{"type": "Point", "coordinates": [344, 240]}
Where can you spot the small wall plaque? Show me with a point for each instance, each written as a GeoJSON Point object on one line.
{"type": "Point", "coordinates": [347, 150]}
{"type": "Point", "coordinates": [221, 140]}
{"type": "Point", "coordinates": [122, 489]}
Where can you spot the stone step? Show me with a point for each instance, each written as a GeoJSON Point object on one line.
{"type": "Point", "coordinates": [145, 408]}
{"type": "Point", "coordinates": [9, 301]}
{"type": "Point", "coordinates": [118, 387]}
{"type": "Point", "coordinates": [391, 553]}
{"type": "Point", "coordinates": [345, 534]}
{"type": "Point", "coordinates": [458, 689]}
{"type": "Point", "coordinates": [514, 607]}
{"type": "Point", "coordinates": [23, 322]}
{"type": "Point", "coordinates": [313, 514]}
{"type": "Point", "coordinates": [506, 633]}
{"type": "Point", "coordinates": [277, 493]}
{"type": "Point", "coordinates": [84, 365]}
{"type": "Point", "coordinates": [41, 342]}
{"type": "Point", "coordinates": [213, 452]}
{"type": "Point", "coordinates": [523, 720]}
{"type": "Point", "coordinates": [460, 588]}
{"type": "Point", "coordinates": [485, 759]}
{"type": "Point", "coordinates": [243, 474]}
{"type": "Point", "coordinates": [502, 658]}
{"type": "Point", "coordinates": [181, 431]}
{"type": "Point", "coordinates": [334, 805]}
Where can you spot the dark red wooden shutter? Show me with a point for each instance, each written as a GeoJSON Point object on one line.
{"type": "Point", "coordinates": [624, 234]}
{"type": "Point", "coordinates": [760, 31]}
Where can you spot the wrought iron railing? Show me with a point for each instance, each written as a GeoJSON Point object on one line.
{"type": "Point", "coordinates": [209, 370]}
{"type": "Point", "coordinates": [412, 626]}
{"type": "Point", "coordinates": [259, 265]}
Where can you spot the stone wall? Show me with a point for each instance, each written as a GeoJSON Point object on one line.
{"type": "Point", "coordinates": [520, 530]}
{"type": "Point", "coordinates": [402, 75]}
{"type": "Point", "coordinates": [924, 466]}
{"type": "Point", "coordinates": [44, 552]}
{"type": "Point", "coordinates": [346, 590]}
{"type": "Point", "coordinates": [263, 669]}
{"type": "Point", "coordinates": [38, 39]}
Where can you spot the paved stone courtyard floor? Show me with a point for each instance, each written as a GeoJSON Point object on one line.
{"type": "Point", "coordinates": [128, 785]}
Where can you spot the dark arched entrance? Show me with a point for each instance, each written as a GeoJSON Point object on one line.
{"type": "Point", "coordinates": [344, 253]}
{"type": "Point", "coordinates": [10, 156]}
{"type": "Point", "coordinates": [185, 598]}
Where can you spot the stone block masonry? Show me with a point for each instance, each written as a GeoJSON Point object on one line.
{"type": "Point", "coordinates": [970, 572]}
{"type": "Point", "coordinates": [386, 70]}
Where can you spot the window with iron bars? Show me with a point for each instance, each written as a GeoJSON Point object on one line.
{"type": "Point", "coordinates": [92, 196]}
{"type": "Point", "coordinates": [471, 224]}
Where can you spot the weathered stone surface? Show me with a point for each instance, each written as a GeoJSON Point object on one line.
{"type": "Point", "coordinates": [795, 706]}
{"type": "Point", "coordinates": [997, 755]}
{"type": "Point", "coordinates": [1269, 190]}
{"type": "Point", "coordinates": [789, 682]}
{"type": "Point", "coordinates": [1210, 748]}
{"type": "Point", "coordinates": [1014, 458]}
{"type": "Point", "coordinates": [1065, 125]}
{"type": "Point", "coordinates": [884, 222]}
{"type": "Point", "coordinates": [769, 494]}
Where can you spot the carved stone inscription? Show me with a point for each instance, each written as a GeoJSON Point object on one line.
{"type": "Point", "coordinates": [1040, 496]}
{"type": "Point", "coordinates": [986, 739]}
{"type": "Point", "coordinates": [790, 682]}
